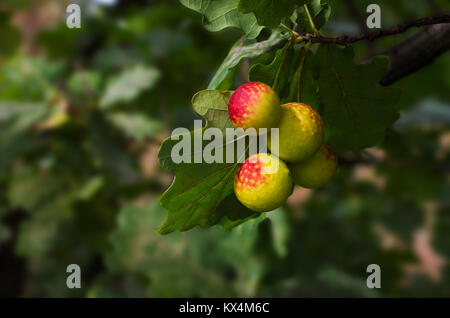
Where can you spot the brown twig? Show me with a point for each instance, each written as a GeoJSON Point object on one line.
{"type": "Point", "coordinates": [359, 18]}
{"type": "Point", "coordinates": [399, 28]}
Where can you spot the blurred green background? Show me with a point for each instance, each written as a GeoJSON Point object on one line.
{"type": "Point", "coordinates": [82, 115]}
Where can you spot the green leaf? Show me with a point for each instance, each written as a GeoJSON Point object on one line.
{"type": "Point", "coordinates": [16, 121]}
{"type": "Point", "coordinates": [213, 106]}
{"type": "Point", "coordinates": [197, 190]}
{"type": "Point", "coordinates": [322, 16]}
{"type": "Point", "coordinates": [195, 196]}
{"type": "Point", "coordinates": [29, 78]}
{"type": "Point", "coordinates": [221, 14]}
{"type": "Point", "coordinates": [84, 83]}
{"type": "Point", "coordinates": [267, 73]}
{"type": "Point", "coordinates": [269, 12]}
{"type": "Point", "coordinates": [234, 213]}
{"type": "Point", "coordinates": [320, 13]}
{"type": "Point", "coordinates": [308, 86]}
{"type": "Point", "coordinates": [135, 125]}
{"type": "Point", "coordinates": [243, 48]}
{"type": "Point", "coordinates": [129, 85]}
{"type": "Point", "coordinates": [20, 116]}
{"type": "Point", "coordinates": [355, 109]}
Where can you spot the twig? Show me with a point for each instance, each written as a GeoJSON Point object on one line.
{"type": "Point", "coordinates": [399, 28]}
{"type": "Point", "coordinates": [284, 26]}
{"type": "Point", "coordinates": [311, 21]}
{"type": "Point", "coordinates": [360, 20]}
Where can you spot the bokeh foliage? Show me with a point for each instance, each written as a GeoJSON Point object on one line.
{"type": "Point", "coordinates": [83, 113]}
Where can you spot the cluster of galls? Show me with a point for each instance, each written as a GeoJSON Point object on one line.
{"type": "Point", "coordinates": [310, 162]}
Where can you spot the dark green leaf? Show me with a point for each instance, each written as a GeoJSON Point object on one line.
{"type": "Point", "coordinates": [199, 188]}
{"type": "Point", "coordinates": [221, 14]}
{"type": "Point", "coordinates": [355, 109]}
{"type": "Point", "coordinates": [320, 13]}
{"type": "Point", "coordinates": [243, 48]}
{"type": "Point", "coordinates": [196, 192]}
{"type": "Point", "coordinates": [268, 73]}
{"type": "Point", "coordinates": [269, 12]}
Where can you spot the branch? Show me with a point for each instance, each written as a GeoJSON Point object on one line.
{"type": "Point", "coordinates": [416, 52]}
{"type": "Point", "coordinates": [399, 28]}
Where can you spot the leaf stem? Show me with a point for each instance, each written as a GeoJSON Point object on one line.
{"type": "Point", "coordinates": [371, 36]}
{"type": "Point", "coordinates": [311, 21]}
{"type": "Point", "coordinates": [304, 52]}
{"type": "Point", "coordinates": [283, 59]}
{"type": "Point", "coordinates": [289, 29]}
